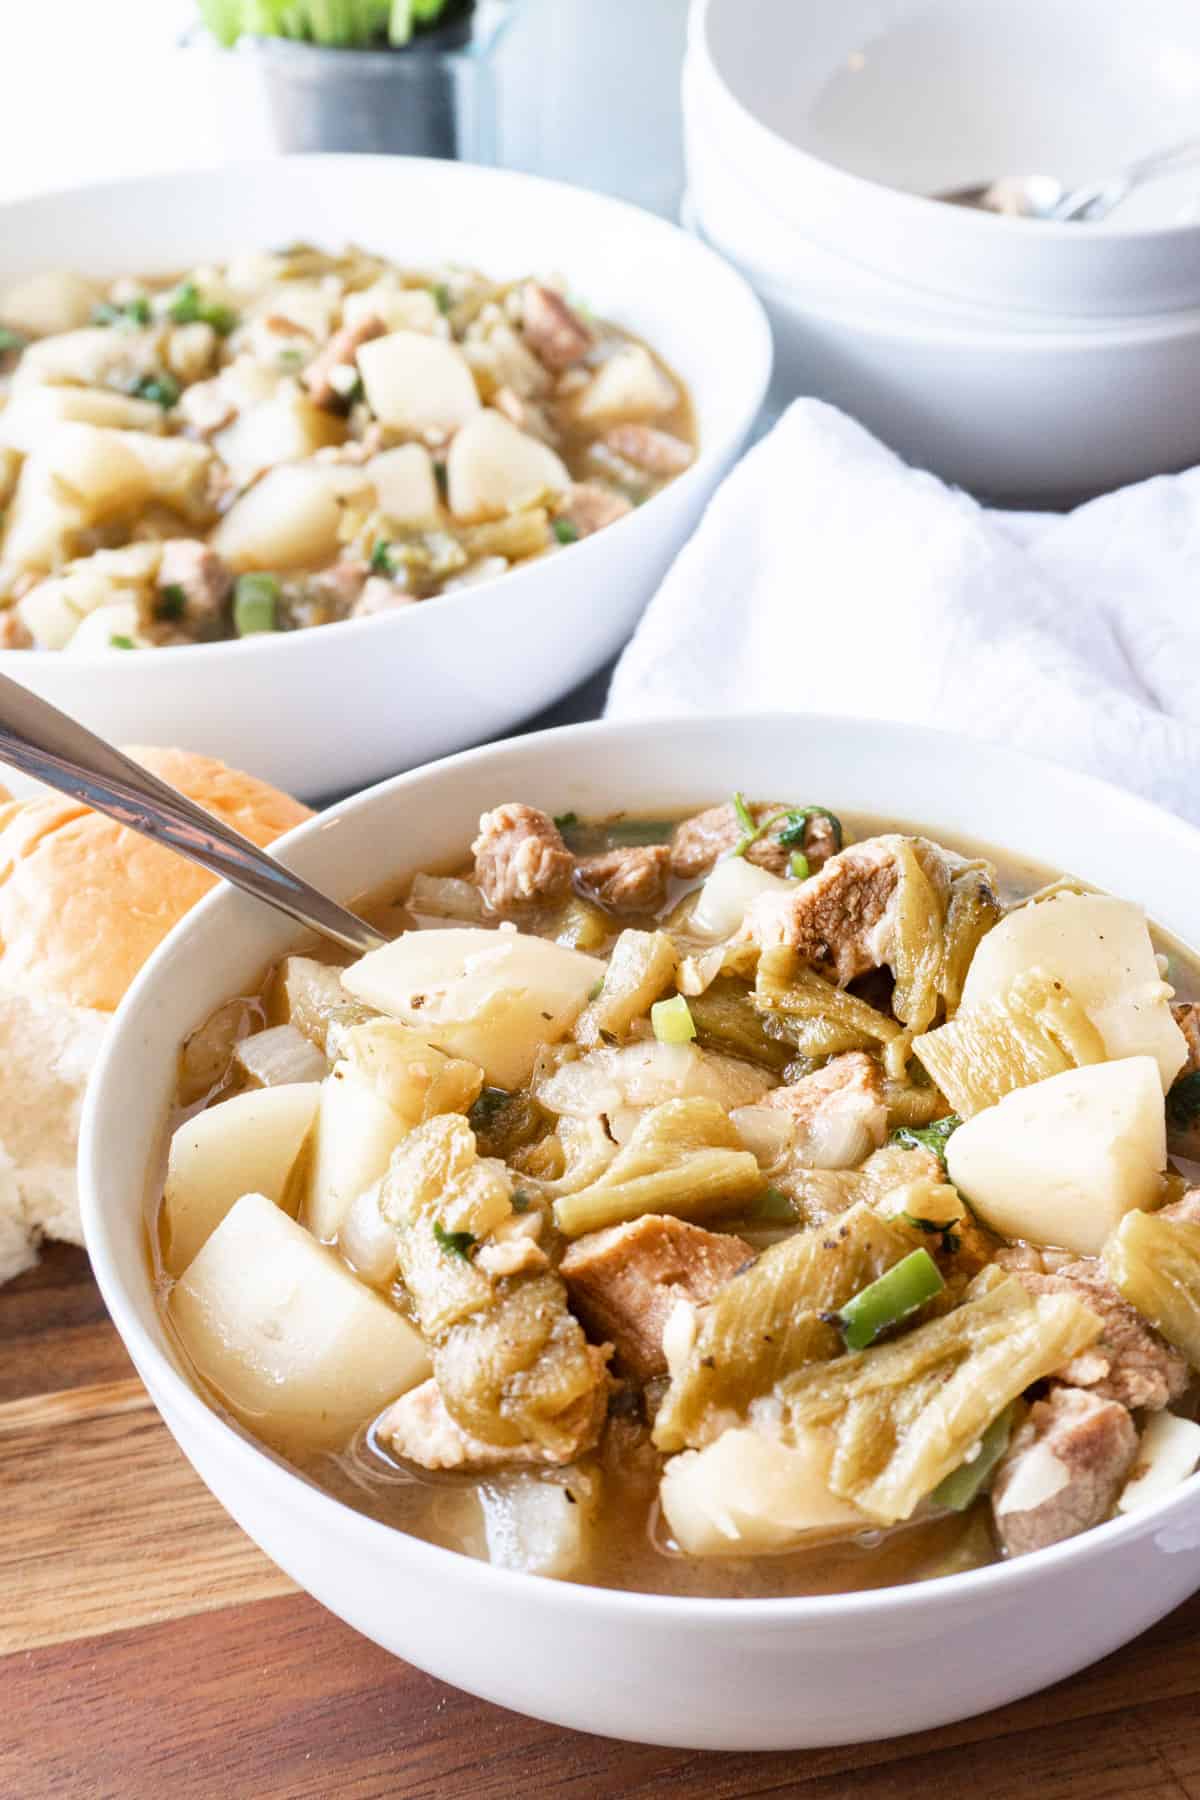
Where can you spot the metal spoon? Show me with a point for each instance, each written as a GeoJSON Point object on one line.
{"type": "Point", "coordinates": [1045, 197]}
{"type": "Point", "coordinates": [45, 743]}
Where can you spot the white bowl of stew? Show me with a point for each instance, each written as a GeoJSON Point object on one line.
{"type": "Point", "coordinates": [818, 1645]}
{"type": "Point", "coordinates": [410, 605]}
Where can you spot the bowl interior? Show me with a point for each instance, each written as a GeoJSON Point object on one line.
{"type": "Point", "coordinates": [924, 95]}
{"type": "Point", "coordinates": [910, 774]}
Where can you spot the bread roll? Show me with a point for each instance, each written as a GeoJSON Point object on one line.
{"type": "Point", "coordinates": [83, 903]}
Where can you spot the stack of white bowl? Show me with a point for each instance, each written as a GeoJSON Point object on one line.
{"type": "Point", "coordinates": [1025, 360]}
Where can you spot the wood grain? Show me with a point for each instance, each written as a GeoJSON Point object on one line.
{"type": "Point", "coordinates": [152, 1649]}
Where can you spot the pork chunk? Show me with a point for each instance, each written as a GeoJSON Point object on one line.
{"type": "Point", "coordinates": [845, 919]}
{"type": "Point", "coordinates": [1186, 1014]}
{"type": "Point", "coordinates": [699, 842]}
{"type": "Point", "coordinates": [629, 880]}
{"type": "Point", "coordinates": [1130, 1362]}
{"type": "Point", "coordinates": [839, 1112]}
{"type": "Point", "coordinates": [520, 858]}
{"type": "Point", "coordinates": [1063, 1470]}
{"type": "Point", "coordinates": [200, 576]}
{"type": "Point", "coordinates": [419, 1428]}
{"type": "Point", "coordinates": [590, 508]}
{"type": "Point", "coordinates": [625, 1280]}
{"type": "Point", "coordinates": [554, 332]}
{"type": "Point", "coordinates": [646, 447]}
{"type": "Point", "coordinates": [340, 352]}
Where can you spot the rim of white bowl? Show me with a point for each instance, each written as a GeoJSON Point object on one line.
{"type": "Point", "coordinates": [297, 1491]}
{"type": "Point", "coordinates": [759, 354]}
{"type": "Point", "coordinates": [972, 220]}
{"type": "Point", "coordinates": [1132, 332]}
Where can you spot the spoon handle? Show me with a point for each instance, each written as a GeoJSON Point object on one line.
{"type": "Point", "coordinates": [1098, 198]}
{"type": "Point", "coordinates": [45, 743]}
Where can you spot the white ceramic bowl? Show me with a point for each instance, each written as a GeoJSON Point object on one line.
{"type": "Point", "coordinates": [848, 113]}
{"type": "Point", "coordinates": [717, 1674]}
{"type": "Point", "coordinates": [325, 710]}
{"type": "Point", "coordinates": [1023, 408]}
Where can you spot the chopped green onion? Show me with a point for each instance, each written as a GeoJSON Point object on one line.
{"type": "Point", "coordinates": [163, 390]}
{"type": "Point", "coordinates": [441, 294]}
{"type": "Point", "coordinates": [773, 1205]}
{"type": "Point", "coordinates": [745, 817]}
{"type": "Point", "coordinates": [454, 1243]}
{"type": "Point", "coordinates": [483, 1113]}
{"type": "Point", "coordinates": [187, 306]}
{"type": "Point", "coordinates": [172, 602]}
{"type": "Point", "coordinates": [797, 822]}
{"type": "Point", "coordinates": [672, 1021]}
{"type": "Point", "coordinates": [913, 1280]}
{"type": "Point", "coordinates": [255, 604]}
{"type": "Point", "coordinates": [928, 1137]}
{"type": "Point", "coordinates": [964, 1484]}
{"type": "Point", "coordinates": [521, 1203]}
{"type": "Point", "coordinates": [119, 641]}
{"type": "Point", "coordinates": [564, 821]}
{"type": "Point", "coordinates": [11, 340]}
{"type": "Point", "coordinates": [381, 558]}
{"type": "Point", "coordinates": [935, 1228]}
{"type": "Point", "coordinates": [565, 531]}
{"type": "Point", "coordinates": [440, 476]}
{"type": "Point", "coordinates": [798, 864]}
{"type": "Point", "coordinates": [130, 316]}
{"type": "Point", "coordinates": [597, 988]}
{"type": "Point", "coordinates": [290, 357]}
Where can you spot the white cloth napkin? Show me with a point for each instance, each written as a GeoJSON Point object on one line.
{"type": "Point", "coordinates": [827, 576]}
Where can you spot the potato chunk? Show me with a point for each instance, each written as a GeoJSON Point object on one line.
{"type": "Point", "coordinates": [404, 484]}
{"type": "Point", "coordinates": [418, 383]}
{"type": "Point", "coordinates": [492, 468]}
{"type": "Point", "coordinates": [249, 1144]}
{"type": "Point", "coordinates": [285, 1334]}
{"type": "Point", "coordinates": [1100, 949]}
{"type": "Point", "coordinates": [493, 997]}
{"type": "Point", "coordinates": [282, 429]}
{"type": "Point", "coordinates": [288, 520]}
{"type": "Point", "coordinates": [629, 385]}
{"type": "Point", "coordinates": [747, 1493]}
{"type": "Point", "coordinates": [1063, 1161]}
{"type": "Point", "coordinates": [55, 300]}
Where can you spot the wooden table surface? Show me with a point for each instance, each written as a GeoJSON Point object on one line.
{"type": "Point", "coordinates": [148, 1649]}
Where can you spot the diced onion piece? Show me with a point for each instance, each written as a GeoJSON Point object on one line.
{"type": "Point", "coordinates": [767, 1130]}
{"type": "Point", "coordinates": [672, 1022]}
{"type": "Point", "coordinates": [540, 1525]}
{"type": "Point", "coordinates": [280, 1055]}
{"type": "Point", "coordinates": [726, 894]}
{"type": "Point", "coordinates": [1168, 1453]}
